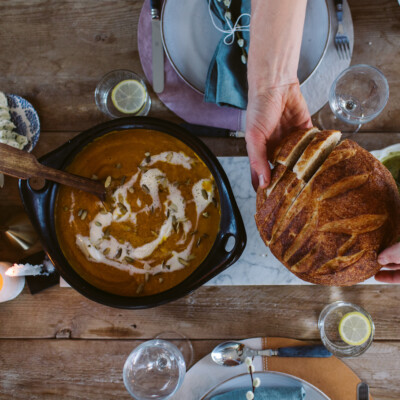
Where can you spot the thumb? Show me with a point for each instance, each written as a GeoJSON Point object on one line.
{"type": "Point", "coordinates": [391, 255]}
{"type": "Point", "coordinates": [260, 170]}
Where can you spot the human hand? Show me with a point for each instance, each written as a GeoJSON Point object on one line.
{"type": "Point", "coordinates": [270, 115]}
{"type": "Point", "coordinates": [390, 258]}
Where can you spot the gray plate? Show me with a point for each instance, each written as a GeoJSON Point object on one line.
{"type": "Point", "coordinates": [268, 379]}
{"type": "Point", "coordinates": [190, 39]}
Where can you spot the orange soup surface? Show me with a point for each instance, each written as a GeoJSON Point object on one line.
{"type": "Point", "coordinates": [158, 224]}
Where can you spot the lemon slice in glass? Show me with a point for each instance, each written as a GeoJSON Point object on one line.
{"type": "Point", "coordinates": [354, 328]}
{"type": "Point", "coordinates": [129, 96]}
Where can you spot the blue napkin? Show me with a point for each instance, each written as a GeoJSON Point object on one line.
{"type": "Point", "coordinates": [226, 83]}
{"type": "Point", "coordinates": [278, 393]}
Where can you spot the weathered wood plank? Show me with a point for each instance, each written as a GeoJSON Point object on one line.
{"type": "Point", "coordinates": [92, 369]}
{"type": "Point", "coordinates": [214, 312]}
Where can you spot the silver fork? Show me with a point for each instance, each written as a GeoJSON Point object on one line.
{"type": "Point", "coordinates": [342, 42]}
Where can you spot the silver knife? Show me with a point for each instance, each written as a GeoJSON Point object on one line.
{"type": "Point", "coordinates": [157, 47]}
{"type": "Point", "coordinates": [210, 131]}
{"type": "Point", "coordinates": [362, 391]}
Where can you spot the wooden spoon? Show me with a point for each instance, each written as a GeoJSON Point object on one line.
{"type": "Point", "coordinates": [23, 165]}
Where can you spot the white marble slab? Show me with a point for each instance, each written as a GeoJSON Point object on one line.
{"type": "Point", "coordinates": [257, 265]}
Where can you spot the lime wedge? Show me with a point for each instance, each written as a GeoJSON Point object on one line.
{"type": "Point", "coordinates": [129, 96]}
{"type": "Point", "coordinates": [354, 328]}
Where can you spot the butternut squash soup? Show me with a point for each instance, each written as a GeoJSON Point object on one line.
{"type": "Point", "coordinates": [160, 221]}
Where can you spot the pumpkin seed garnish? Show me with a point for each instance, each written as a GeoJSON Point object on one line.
{"type": "Point", "coordinates": [183, 261]}
{"type": "Point", "coordinates": [191, 257]}
{"type": "Point", "coordinates": [83, 215]}
{"type": "Point", "coordinates": [122, 208]}
{"type": "Point", "coordinates": [66, 208]}
{"type": "Point", "coordinates": [148, 157]}
{"type": "Point", "coordinates": [146, 277]}
{"type": "Point", "coordinates": [204, 194]}
{"type": "Point", "coordinates": [95, 177]}
{"type": "Point", "coordinates": [140, 288]}
{"type": "Point", "coordinates": [198, 242]}
{"type": "Point", "coordinates": [131, 190]}
{"type": "Point", "coordinates": [154, 233]}
{"type": "Point", "coordinates": [119, 252]}
{"type": "Point", "coordinates": [106, 251]}
{"type": "Point", "coordinates": [173, 207]}
{"type": "Point", "coordinates": [107, 183]}
{"type": "Point", "coordinates": [146, 267]}
{"type": "Point", "coordinates": [129, 259]}
{"type": "Point", "coordinates": [161, 280]}
{"type": "Point", "coordinates": [97, 223]}
{"type": "Point", "coordinates": [205, 214]}
{"type": "Point", "coordinates": [118, 166]}
{"type": "Point", "coordinates": [80, 212]}
{"type": "Point", "coordinates": [169, 157]}
{"type": "Point", "coordinates": [145, 188]}
{"type": "Point", "coordinates": [123, 179]}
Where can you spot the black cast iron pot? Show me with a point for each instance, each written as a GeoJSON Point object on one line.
{"type": "Point", "coordinates": [40, 208]}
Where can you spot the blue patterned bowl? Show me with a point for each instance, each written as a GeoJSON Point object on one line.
{"type": "Point", "coordinates": [25, 118]}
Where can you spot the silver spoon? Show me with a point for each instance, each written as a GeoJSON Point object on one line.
{"type": "Point", "coordinates": [230, 354]}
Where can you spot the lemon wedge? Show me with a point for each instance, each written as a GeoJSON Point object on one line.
{"type": "Point", "coordinates": [355, 328]}
{"type": "Point", "coordinates": [129, 96]}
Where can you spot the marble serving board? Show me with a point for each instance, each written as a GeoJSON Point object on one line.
{"type": "Point", "coordinates": [257, 265]}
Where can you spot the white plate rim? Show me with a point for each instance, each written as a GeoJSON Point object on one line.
{"type": "Point", "coordinates": [176, 69]}
{"type": "Point", "coordinates": [302, 381]}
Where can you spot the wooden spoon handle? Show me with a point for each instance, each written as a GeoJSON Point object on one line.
{"type": "Point", "coordinates": [76, 181]}
{"type": "Point", "coordinates": [23, 165]}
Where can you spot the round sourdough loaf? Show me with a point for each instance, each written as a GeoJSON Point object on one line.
{"type": "Point", "coordinates": [330, 229]}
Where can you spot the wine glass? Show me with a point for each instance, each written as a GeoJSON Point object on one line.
{"type": "Point", "coordinates": [357, 96]}
{"type": "Point", "coordinates": [155, 369]}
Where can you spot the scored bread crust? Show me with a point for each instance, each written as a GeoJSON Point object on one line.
{"type": "Point", "coordinates": [286, 185]}
{"type": "Point", "coordinates": [291, 147]}
{"type": "Point", "coordinates": [347, 213]}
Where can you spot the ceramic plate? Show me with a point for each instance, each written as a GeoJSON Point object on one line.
{"type": "Point", "coordinates": [190, 39]}
{"type": "Point", "coordinates": [25, 118]}
{"type": "Point", "coordinates": [268, 379]}
{"type": "Point", "coordinates": [383, 153]}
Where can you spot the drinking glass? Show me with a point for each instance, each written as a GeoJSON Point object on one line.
{"type": "Point", "coordinates": [357, 96]}
{"type": "Point", "coordinates": [103, 93]}
{"type": "Point", "coordinates": [154, 370]}
{"type": "Point", "coordinates": [328, 325]}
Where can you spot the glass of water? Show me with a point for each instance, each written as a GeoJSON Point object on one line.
{"type": "Point", "coordinates": [154, 370]}
{"type": "Point", "coordinates": [331, 326]}
{"type": "Point", "coordinates": [357, 96]}
{"type": "Point", "coordinates": [122, 93]}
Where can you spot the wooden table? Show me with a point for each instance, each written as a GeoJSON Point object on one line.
{"type": "Point", "coordinates": [57, 344]}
